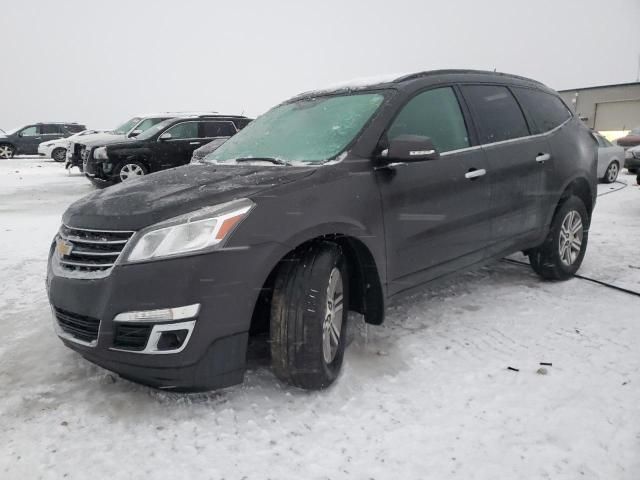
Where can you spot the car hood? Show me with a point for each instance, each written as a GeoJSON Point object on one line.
{"type": "Point", "coordinates": [99, 139]}
{"type": "Point", "coordinates": [141, 202]}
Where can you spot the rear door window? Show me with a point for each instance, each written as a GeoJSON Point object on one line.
{"type": "Point", "coordinates": [216, 129]}
{"type": "Point", "coordinates": [497, 114]}
{"type": "Point", "coordinates": [547, 111]}
{"type": "Point", "coordinates": [51, 129]}
{"type": "Point", "coordinates": [435, 114]}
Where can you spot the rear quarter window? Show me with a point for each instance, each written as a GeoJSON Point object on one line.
{"type": "Point", "coordinates": [545, 110]}
{"type": "Point", "coordinates": [496, 112]}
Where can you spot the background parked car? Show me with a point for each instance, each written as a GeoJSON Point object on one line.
{"type": "Point", "coordinates": [168, 144]}
{"type": "Point", "coordinates": [57, 149]}
{"type": "Point", "coordinates": [203, 151]}
{"type": "Point", "coordinates": [610, 159]}
{"type": "Point", "coordinates": [632, 159]}
{"type": "Point", "coordinates": [25, 140]}
{"type": "Point", "coordinates": [129, 129]}
{"type": "Point", "coordinates": [631, 139]}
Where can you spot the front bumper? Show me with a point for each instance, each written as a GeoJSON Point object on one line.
{"type": "Point", "coordinates": [226, 284]}
{"type": "Point", "coordinates": [44, 151]}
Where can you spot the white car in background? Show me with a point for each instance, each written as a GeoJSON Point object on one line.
{"type": "Point", "coordinates": [610, 159]}
{"type": "Point", "coordinates": [57, 149]}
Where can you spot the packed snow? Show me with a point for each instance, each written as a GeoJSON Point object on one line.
{"type": "Point", "coordinates": [427, 395]}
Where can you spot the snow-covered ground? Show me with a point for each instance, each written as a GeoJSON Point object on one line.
{"type": "Point", "coordinates": [427, 395]}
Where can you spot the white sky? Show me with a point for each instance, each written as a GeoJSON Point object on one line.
{"type": "Point", "coordinates": [100, 64]}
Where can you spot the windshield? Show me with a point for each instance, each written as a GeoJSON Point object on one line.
{"type": "Point", "coordinates": [310, 130]}
{"type": "Point", "coordinates": [126, 126]}
{"type": "Point", "coordinates": [635, 131]}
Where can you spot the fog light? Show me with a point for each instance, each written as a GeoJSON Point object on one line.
{"type": "Point", "coordinates": [171, 340]}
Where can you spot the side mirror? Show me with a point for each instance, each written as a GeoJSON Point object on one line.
{"type": "Point", "coordinates": [410, 148]}
{"type": "Point", "coordinates": [166, 136]}
{"type": "Point", "coordinates": [135, 133]}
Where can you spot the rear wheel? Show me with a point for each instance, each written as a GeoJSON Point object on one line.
{"type": "Point", "coordinates": [560, 255]}
{"type": "Point", "coordinates": [59, 155]}
{"type": "Point", "coordinates": [130, 169]}
{"type": "Point", "coordinates": [309, 317]}
{"type": "Point", "coordinates": [611, 175]}
{"type": "Point", "coordinates": [7, 150]}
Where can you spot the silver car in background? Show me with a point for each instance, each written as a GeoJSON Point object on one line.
{"type": "Point", "coordinates": [610, 159]}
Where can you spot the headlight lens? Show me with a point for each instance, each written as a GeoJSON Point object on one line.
{"type": "Point", "coordinates": [199, 230]}
{"type": "Point", "coordinates": [100, 153]}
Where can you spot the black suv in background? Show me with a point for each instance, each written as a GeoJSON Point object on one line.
{"type": "Point", "coordinates": [25, 140]}
{"type": "Point", "coordinates": [332, 201]}
{"type": "Point", "coordinates": [167, 144]}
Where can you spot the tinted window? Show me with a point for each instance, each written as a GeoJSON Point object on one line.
{"type": "Point", "coordinates": [547, 111]}
{"type": "Point", "coordinates": [217, 129]}
{"type": "Point", "coordinates": [75, 128]}
{"type": "Point", "coordinates": [241, 123]}
{"type": "Point", "coordinates": [497, 113]}
{"type": "Point", "coordinates": [435, 114]}
{"type": "Point", "coordinates": [184, 130]}
{"type": "Point", "coordinates": [50, 129]}
{"type": "Point", "coordinates": [30, 131]}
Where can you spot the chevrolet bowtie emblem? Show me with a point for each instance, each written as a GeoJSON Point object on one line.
{"type": "Point", "coordinates": [63, 247]}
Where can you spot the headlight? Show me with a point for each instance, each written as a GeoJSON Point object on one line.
{"type": "Point", "coordinates": [100, 153]}
{"type": "Point", "coordinates": [636, 153]}
{"type": "Point", "coordinates": [200, 230]}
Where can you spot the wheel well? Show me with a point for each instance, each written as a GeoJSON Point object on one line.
{"type": "Point", "coordinates": [581, 189]}
{"type": "Point", "coordinates": [9, 144]}
{"type": "Point", "coordinates": [366, 296]}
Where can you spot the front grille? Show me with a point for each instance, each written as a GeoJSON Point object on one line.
{"type": "Point", "coordinates": [131, 337]}
{"type": "Point", "coordinates": [80, 250]}
{"type": "Point", "coordinates": [80, 327]}
{"type": "Point", "coordinates": [84, 153]}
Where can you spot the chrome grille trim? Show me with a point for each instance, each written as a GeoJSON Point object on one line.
{"type": "Point", "coordinates": [88, 253]}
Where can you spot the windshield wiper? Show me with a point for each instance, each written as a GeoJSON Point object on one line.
{"type": "Point", "coordinates": [275, 161]}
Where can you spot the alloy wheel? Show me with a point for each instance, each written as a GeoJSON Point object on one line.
{"type": "Point", "coordinates": [6, 151]}
{"type": "Point", "coordinates": [131, 170]}
{"type": "Point", "coordinates": [612, 172]}
{"type": "Point", "coordinates": [332, 326]}
{"type": "Point", "coordinates": [60, 155]}
{"type": "Point", "coordinates": [571, 234]}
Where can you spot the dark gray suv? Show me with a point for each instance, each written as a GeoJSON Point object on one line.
{"type": "Point", "coordinates": [332, 201]}
{"type": "Point", "coordinates": [25, 140]}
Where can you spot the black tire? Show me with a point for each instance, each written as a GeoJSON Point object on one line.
{"type": "Point", "coordinates": [611, 175]}
{"type": "Point", "coordinates": [300, 313]}
{"type": "Point", "coordinates": [59, 155]}
{"type": "Point", "coordinates": [129, 165]}
{"type": "Point", "coordinates": [546, 259]}
{"type": "Point", "coordinates": [7, 151]}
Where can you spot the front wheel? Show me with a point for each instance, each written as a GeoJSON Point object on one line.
{"type": "Point", "coordinates": [611, 175]}
{"type": "Point", "coordinates": [560, 255]}
{"type": "Point", "coordinates": [7, 151]}
{"type": "Point", "coordinates": [130, 169]}
{"type": "Point", "coordinates": [59, 155]}
{"type": "Point", "coordinates": [309, 316]}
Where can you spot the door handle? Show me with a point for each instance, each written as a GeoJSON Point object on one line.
{"type": "Point", "coordinates": [473, 173]}
{"type": "Point", "coordinates": [543, 157]}
{"type": "Point", "coordinates": [194, 143]}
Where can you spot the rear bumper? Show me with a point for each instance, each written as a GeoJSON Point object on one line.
{"type": "Point", "coordinates": [632, 162]}
{"type": "Point", "coordinates": [226, 284]}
